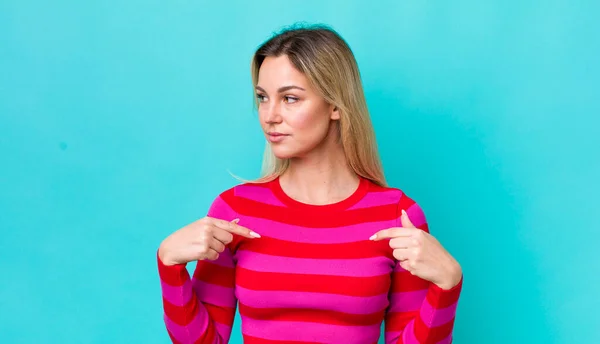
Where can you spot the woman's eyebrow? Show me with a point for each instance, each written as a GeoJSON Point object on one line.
{"type": "Point", "coordinates": [282, 89]}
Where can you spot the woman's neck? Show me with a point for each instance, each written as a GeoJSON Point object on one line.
{"type": "Point", "coordinates": [320, 178]}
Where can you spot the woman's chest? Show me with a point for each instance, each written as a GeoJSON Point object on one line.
{"type": "Point", "coordinates": [334, 270]}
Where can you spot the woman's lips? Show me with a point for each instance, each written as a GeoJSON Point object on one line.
{"type": "Point", "coordinates": [276, 137]}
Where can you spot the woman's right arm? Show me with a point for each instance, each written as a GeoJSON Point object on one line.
{"type": "Point", "coordinates": [200, 310]}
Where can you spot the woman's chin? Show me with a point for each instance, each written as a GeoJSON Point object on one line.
{"type": "Point", "coordinates": [283, 156]}
{"type": "Point", "coordinates": [281, 153]}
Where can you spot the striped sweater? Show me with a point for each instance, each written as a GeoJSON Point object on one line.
{"type": "Point", "coordinates": [313, 276]}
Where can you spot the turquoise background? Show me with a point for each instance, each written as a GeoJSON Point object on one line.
{"type": "Point", "coordinates": [119, 122]}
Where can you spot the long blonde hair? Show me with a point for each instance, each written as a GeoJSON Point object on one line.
{"type": "Point", "coordinates": [325, 58]}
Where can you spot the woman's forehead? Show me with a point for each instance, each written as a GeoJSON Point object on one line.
{"type": "Point", "coordinates": [276, 72]}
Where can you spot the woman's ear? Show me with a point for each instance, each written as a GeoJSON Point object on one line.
{"type": "Point", "coordinates": [335, 113]}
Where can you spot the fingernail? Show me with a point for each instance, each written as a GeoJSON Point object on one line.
{"type": "Point", "coordinates": [403, 212]}
{"type": "Point", "coordinates": [235, 220]}
{"type": "Point", "coordinates": [373, 237]}
{"type": "Point", "coordinates": [254, 234]}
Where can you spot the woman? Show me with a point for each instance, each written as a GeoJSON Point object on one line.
{"type": "Point", "coordinates": [319, 250]}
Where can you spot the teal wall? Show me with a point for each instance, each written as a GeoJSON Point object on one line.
{"type": "Point", "coordinates": [119, 121]}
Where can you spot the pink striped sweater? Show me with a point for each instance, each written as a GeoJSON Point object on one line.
{"type": "Point", "coordinates": [313, 276]}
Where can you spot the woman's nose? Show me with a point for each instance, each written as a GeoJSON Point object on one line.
{"type": "Point", "coordinates": [272, 114]}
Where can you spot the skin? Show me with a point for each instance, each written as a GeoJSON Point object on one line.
{"type": "Point", "coordinates": [421, 254]}
{"type": "Point", "coordinates": [318, 174]}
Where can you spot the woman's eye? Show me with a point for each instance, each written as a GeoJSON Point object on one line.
{"type": "Point", "coordinates": [260, 97]}
{"type": "Point", "coordinates": [290, 100]}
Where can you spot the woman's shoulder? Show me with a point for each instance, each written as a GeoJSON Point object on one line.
{"type": "Point", "coordinates": [248, 189]}
{"type": "Point", "coordinates": [229, 203]}
{"type": "Point", "coordinates": [400, 197]}
{"type": "Point", "coordinates": [391, 192]}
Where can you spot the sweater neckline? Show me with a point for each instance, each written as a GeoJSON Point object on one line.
{"type": "Point", "coordinates": [356, 196]}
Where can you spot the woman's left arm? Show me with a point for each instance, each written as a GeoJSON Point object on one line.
{"type": "Point", "coordinates": [426, 283]}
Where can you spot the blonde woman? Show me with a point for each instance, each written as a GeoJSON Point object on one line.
{"type": "Point", "coordinates": [320, 249]}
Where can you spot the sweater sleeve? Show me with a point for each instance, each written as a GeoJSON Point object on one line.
{"type": "Point", "coordinates": [420, 312]}
{"type": "Point", "coordinates": [201, 310]}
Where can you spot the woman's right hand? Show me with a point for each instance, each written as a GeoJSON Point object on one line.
{"type": "Point", "coordinates": [203, 239]}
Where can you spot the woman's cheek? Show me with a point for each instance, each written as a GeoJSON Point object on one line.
{"type": "Point", "coordinates": [301, 120]}
{"type": "Point", "coordinates": [306, 128]}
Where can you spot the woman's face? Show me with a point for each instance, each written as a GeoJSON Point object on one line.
{"type": "Point", "coordinates": [294, 118]}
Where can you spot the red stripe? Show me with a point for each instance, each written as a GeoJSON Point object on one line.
{"type": "Point", "coordinates": [439, 298]}
{"type": "Point", "coordinates": [184, 315]}
{"type": "Point", "coordinates": [341, 285]}
{"type": "Point", "coordinates": [377, 188]}
{"type": "Point", "coordinates": [215, 274]}
{"type": "Point", "coordinates": [405, 202]}
{"type": "Point", "coordinates": [432, 335]}
{"type": "Point", "coordinates": [256, 340]}
{"type": "Point", "coordinates": [209, 336]}
{"type": "Point", "coordinates": [372, 187]}
{"type": "Point", "coordinates": [352, 250]}
{"type": "Point", "coordinates": [181, 315]}
{"type": "Point", "coordinates": [405, 281]}
{"type": "Point", "coordinates": [316, 219]}
{"type": "Point", "coordinates": [395, 322]}
{"type": "Point", "coordinates": [311, 315]}
{"type": "Point", "coordinates": [174, 275]}
{"type": "Point", "coordinates": [223, 315]}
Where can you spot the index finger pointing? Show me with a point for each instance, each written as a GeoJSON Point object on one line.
{"type": "Point", "coordinates": [393, 232]}
{"type": "Point", "coordinates": [233, 227]}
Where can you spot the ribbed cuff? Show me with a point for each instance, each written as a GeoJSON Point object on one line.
{"type": "Point", "coordinates": [441, 298]}
{"type": "Point", "coordinates": [174, 275]}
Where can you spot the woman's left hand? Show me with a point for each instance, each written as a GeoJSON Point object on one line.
{"type": "Point", "coordinates": [421, 254]}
